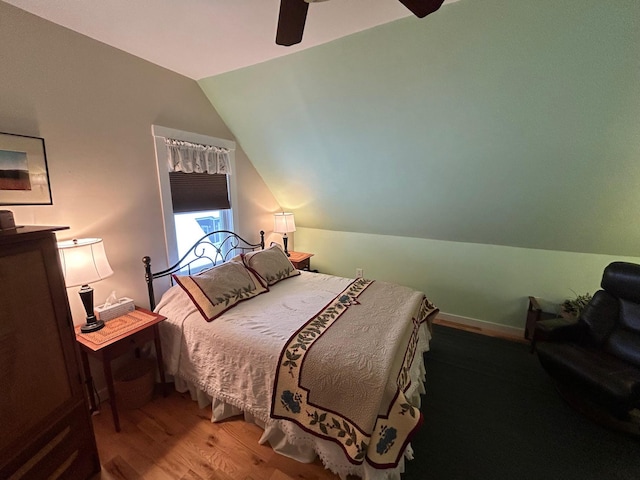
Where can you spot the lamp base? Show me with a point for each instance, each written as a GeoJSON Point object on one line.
{"type": "Point", "coordinates": [285, 240]}
{"type": "Point", "coordinates": [92, 326]}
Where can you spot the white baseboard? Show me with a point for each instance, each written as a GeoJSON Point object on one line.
{"type": "Point", "coordinates": [482, 325]}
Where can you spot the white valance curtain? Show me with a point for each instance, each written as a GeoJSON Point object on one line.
{"type": "Point", "coordinates": [190, 157]}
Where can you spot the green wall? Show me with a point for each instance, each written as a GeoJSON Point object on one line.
{"type": "Point", "coordinates": [474, 282]}
{"type": "Point", "coordinates": [488, 128]}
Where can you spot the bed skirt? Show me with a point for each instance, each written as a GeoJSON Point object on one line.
{"type": "Point", "coordinates": [289, 440]}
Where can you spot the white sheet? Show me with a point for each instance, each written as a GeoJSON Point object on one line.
{"type": "Point", "coordinates": [232, 361]}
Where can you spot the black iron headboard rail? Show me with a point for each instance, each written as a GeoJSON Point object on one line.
{"type": "Point", "coordinates": [204, 249]}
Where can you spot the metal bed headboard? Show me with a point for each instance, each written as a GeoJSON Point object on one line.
{"type": "Point", "coordinates": [212, 252]}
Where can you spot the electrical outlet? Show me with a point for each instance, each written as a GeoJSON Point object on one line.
{"type": "Point", "coordinates": [359, 273]}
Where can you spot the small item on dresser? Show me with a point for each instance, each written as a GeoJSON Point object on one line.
{"type": "Point", "coordinates": [112, 309]}
{"type": "Point", "coordinates": [6, 220]}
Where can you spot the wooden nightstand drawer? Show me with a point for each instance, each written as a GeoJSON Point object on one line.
{"type": "Point", "coordinates": [137, 340]}
{"type": "Point", "coordinates": [303, 265]}
{"type": "Point", "coordinates": [301, 260]}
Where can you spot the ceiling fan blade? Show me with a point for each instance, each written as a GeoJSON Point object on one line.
{"type": "Point", "coordinates": [422, 8]}
{"type": "Point", "coordinates": [293, 14]}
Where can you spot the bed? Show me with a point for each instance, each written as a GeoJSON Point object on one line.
{"type": "Point", "coordinates": [327, 366]}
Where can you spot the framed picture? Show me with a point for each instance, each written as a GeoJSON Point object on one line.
{"type": "Point", "coordinates": [24, 176]}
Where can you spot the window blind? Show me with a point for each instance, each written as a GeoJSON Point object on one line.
{"type": "Point", "coordinates": [193, 192]}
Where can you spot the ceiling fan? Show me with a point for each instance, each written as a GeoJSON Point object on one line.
{"type": "Point", "coordinates": [293, 14]}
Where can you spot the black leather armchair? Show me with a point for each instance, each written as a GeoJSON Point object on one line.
{"type": "Point", "coordinates": [598, 357]}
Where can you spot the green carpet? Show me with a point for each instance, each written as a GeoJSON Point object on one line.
{"type": "Point", "coordinates": [491, 412]}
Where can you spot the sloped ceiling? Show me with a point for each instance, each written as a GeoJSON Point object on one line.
{"type": "Point", "coordinates": [504, 122]}
{"type": "Point", "coordinates": [201, 38]}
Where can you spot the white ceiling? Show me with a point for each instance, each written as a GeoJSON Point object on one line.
{"type": "Point", "coordinates": [202, 38]}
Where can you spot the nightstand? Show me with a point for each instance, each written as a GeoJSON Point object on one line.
{"type": "Point", "coordinates": [119, 336]}
{"type": "Point", "coordinates": [301, 260]}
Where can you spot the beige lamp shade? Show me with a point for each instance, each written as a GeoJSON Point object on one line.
{"type": "Point", "coordinates": [83, 261]}
{"type": "Point", "coordinates": [284, 223]}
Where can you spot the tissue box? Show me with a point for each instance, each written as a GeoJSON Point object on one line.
{"type": "Point", "coordinates": [122, 306]}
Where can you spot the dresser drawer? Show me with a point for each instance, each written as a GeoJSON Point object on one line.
{"type": "Point", "coordinates": [65, 450]}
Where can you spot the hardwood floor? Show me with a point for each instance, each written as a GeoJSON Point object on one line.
{"type": "Point", "coordinates": [171, 438]}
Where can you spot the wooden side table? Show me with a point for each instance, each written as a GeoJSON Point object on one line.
{"type": "Point", "coordinates": [301, 260]}
{"type": "Point", "coordinates": [119, 336]}
{"type": "Point", "coordinates": [534, 315]}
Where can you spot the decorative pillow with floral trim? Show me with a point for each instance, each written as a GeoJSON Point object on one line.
{"type": "Point", "coordinates": [272, 264]}
{"type": "Point", "coordinates": [220, 288]}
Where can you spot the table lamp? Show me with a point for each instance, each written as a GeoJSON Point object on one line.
{"type": "Point", "coordinates": [284, 223]}
{"type": "Point", "coordinates": [84, 261]}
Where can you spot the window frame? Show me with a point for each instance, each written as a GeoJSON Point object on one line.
{"type": "Point", "coordinates": [162, 160]}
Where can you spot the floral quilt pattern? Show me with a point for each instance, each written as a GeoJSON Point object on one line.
{"type": "Point", "coordinates": [382, 445]}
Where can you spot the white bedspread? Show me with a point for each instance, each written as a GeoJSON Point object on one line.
{"type": "Point", "coordinates": [232, 361]}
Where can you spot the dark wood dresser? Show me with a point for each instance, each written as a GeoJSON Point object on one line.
{"type": "Point", "coordinates": [44, 416]}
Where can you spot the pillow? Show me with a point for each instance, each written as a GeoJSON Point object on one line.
{"type": "Point", "coordinates": [216, 290]}
{"type": "Point", "coordinates": [272, 264]}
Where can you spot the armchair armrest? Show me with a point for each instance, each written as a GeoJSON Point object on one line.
{"type": "Point", "coordinates": [555, 330]}
{"type": "Point", "coordinates": [558, 329]}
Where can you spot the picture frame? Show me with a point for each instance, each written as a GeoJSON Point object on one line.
{"type": "Point", "coordinates": [24, 173]}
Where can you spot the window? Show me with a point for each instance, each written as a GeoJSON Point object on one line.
{"type": "Point", "coordinates": [202, 196]}
{"type": "Point", "coordinates": [195, 203]}
{"type": "Point", "coordinates": [211, 223]}
{"type": "Point", "coordinates": [192, 226]}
